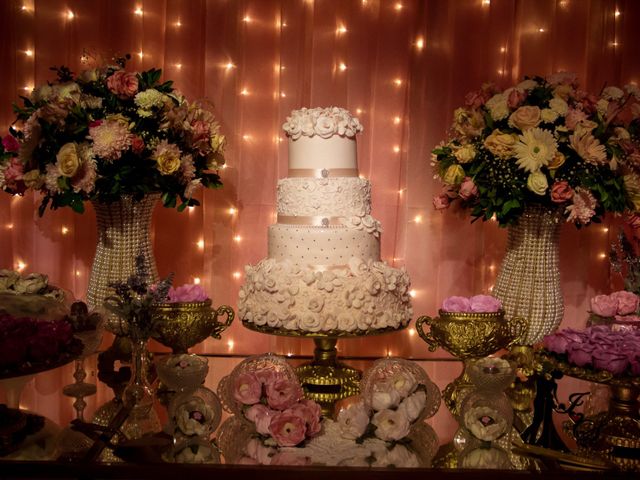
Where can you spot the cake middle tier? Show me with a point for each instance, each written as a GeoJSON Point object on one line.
{"type": "Point", "coordinates": [329, 197]}
{"type": "Point", "coordinates": [308, 246]}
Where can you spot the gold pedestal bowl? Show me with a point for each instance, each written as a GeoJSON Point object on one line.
{"type": "Point", "coordinates": [468, 336]}
{"type": "Point", "coordinates": [182, 325]}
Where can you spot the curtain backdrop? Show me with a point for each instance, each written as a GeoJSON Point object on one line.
{"type": "Point", "coordinates": [400, 66]}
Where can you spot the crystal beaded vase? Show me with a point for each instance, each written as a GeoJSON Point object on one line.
{"type": "Point", "coordinates": [529, 280]}
{"type": "Point", "coordinates": [124, 232]}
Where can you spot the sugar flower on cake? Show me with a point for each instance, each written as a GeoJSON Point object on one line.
{"type": "Point", "coordinates": [323, 122]}
{"type": "Point", "coordinates": [544, 142]}
{"type": "Point", "coordinates": [107, 132]}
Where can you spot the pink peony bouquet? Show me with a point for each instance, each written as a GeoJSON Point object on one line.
{"type": "Point", "coordinates": [108, 132]}
{"type": "Point", "coordinates": [187, 293]}
{"type": "Point", "coordinates": [599, 347]}
{"type": "Point", "coordinates": [475, 304]}
{"type": "Point", "coordinates": [543, 141]}
{"type": "Point", "coordinates": [274, 403]}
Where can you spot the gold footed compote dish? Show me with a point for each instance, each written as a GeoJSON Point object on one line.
{"type": "Point", "coordinates": [182, 325]}
{"type": "Point", "coordinates": [615, 433]}
{"type": "Point", "coordinates": [467, 336]}
{"type": "Point", "coordinates": [324, 380]}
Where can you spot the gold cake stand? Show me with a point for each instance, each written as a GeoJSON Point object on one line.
{"type": "Point", "coordinates": [325, 379]}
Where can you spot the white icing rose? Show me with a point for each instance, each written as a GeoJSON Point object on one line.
{"type": "Point", "coordinates": [325, 281]}
{"type": "Point", "coordinates": [364, 322]}
{"type": "Point", "coordinates": [315, 304]}
{"type": "Point", "coordinates": [309, 277]}
{"type": "Point", "coordinates": [293, 289]}
{"type": "Point", "coordinates": [346, 322]}
{"type": "Point", "coordinates": [260, 319]}
{"type": "Point", "coordinates": [310, 322]}
{"type": "Point", "coordinates": [357, 266]}
{"type": "Point", "coordinates": [292, 128]}
{"type": "Point", "coordinates": [292, 323]}
{"type": "Point", "coordinates": [325, 127]}
{"type": "Point", "coordinates": [373, 285]}
{"type": "Point", "coordinates": [382, 320]}
{"type": "Point", "coordinates": [270, 284]}
{"type": "Point", "coordinates": [330, 321]}
{"type": "Point", "coordinates": [272, 319]}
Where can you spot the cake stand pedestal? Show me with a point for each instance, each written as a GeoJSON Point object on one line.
{"type": "Point", "coordinates": [325, 380]}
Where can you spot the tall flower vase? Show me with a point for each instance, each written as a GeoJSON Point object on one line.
{"type": "Point", "coordinates": [529, 280]}
{"type": "Point", "coordinates": [124, 232]}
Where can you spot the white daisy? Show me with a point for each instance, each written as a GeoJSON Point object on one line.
{"type": "Point", "coordinates": [535, 148]}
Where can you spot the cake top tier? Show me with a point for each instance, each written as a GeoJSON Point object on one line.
{"type": "Point", "coordinates": [323, 122]}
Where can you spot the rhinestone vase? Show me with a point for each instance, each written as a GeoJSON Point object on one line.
{"type": "Point", "coordinates": [529, 280]}
{"type": "Point", "coordinates": [124, 232]}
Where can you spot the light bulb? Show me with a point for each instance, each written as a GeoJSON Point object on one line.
{"type": "Point", "coordinates": [246, 19]}
{"type": "Point", "coordinates": [70, 15]}
{"type": "Point", "coordinates": [196, 280]}
{"type": "Point", "coordinates": [178, 66]}
{"type": "Point", "coordinates": [232, 211]}
{"type": "Point", "coordinates": [398, 6]}
{"type": "Point", "coordinates": [341, 29]}
{"type": "Point", "coordinates": [201, 244]}
{"type": "Point", "coordinates": [396, 149]}
{"type": "Point", "coordinates": [412, 293]}
{"type": "Point", "coordinates": [237, 239]}
{"type": "Point", "coordinates": [237, 275]}
{"type": "Point", "coordinates": [244, 92]}
{"type": "Point", "coordinates": [417, 219]}
{"type": "Point", "coordinates": [397, 120]}
{"type": "Point", "coordinates": [412, 332]}
{"type": "Point", "coordinates": [397, 82]}
{"type": "Point", "coordinates": [420, 43]}
{"type": "Point", "coordinates": [64, 230]}
{"type": "Point", "coordinates": [342, 67]}
{"type": "Point", "coordinates": [28, 53]}
{"type": "Point", "coordinates": [229, 66]}
{"type": "Point", "coordinates": [20, 265]}
{"type": "Point", "coordinates": [138, 11]}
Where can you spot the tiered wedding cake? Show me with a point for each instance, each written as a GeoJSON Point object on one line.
{"type": "Point", "coordinates": [324, 273]}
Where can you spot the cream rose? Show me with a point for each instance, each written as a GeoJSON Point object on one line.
{"type": "Point", "coordinates": [454, 175]}
{"type": "Point", "coordinates": [498, 107]}
{"type": "Point", "coordinates": [525, 118]}
{"type": "Point", "coordinates": [501, 144]}
{"type": "Point", "coordinates": [548, 115]}
{"type": "Point", "coordinates": [167, 163]}
{"type": "Point", "coordinates": [563, 91]}
{"type": "Point", "coordinates": [68, 159]}
{"type": "Point", "coordinates": [559, 105]}
{"type": "Point", "coordinates": [465, 153]}
{"type": "Point", "coordinates": [32, 179]}
{"type": "Point", "coordinates": [557, 161]}
{"type": "Point", "coordinates": [537, 182]}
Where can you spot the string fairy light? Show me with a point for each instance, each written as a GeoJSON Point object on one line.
{"type": "Point", "coordinates": [64, 230]}
{"type": "Point", "coordinates": [138, 11]}
{"type": "Point", "coordinates": [70, 15]}
{"type": "Point", "coordinates": [341, 29]}
{"type": "Point", "coordinates": [420, 43]}
{"type": "Point", "coordinates": [396, 149]}
{"type": "Point", "coordinates": [237, 238]}
{"type": "Point", "coordinates": [233, 211]}
{"type": "Point", "coordinates": [396, 120]}
{"type": "Point", "coordinates": [229, 65]}
{"type": "Point", "coordinates": [417, 219]}
{"type": "Point", "coordinates": [20, 265]}
{"type": "Point", "coordinates": [200, 244]}
{"type": "Point", "coordinates": [244, 92]}
{"type": "Point", "coordinates": [342, 67]}
{"type": "Point", "coordinates": [236, 275]}
{"type": "Point", "coordinates": [28, 53]}
{"type": "Point", "coordinates": [398, 6]}
{"type": "Point", "coordinates": [412, 293]}
{"type": "Point", "coordinates": [196, 280]}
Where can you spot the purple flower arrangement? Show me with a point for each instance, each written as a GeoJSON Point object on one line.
{"type": "Point", "coordinates": [599, 347]}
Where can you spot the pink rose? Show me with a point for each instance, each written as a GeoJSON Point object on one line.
{"type": "Point", "coordinates": [187, 293]}
{"type": "Point", "coordinates": [283, 393]}
{"type": "Point", "coordinates": [476, 99]}
{"type": "Point", "coordinates": [484, 304]}
{"type": "Point", "coordinates": [247, 389]}
{"type": "Point", "coordinates": [10, 143]}
{"type": "Point", "coordinates": [468, 189]}
{"type": "Point", "coordinates": [456, 304]}
{"type": "Point", "coordinates": [261, 416]}
{"type": "Point", "coordinates": [310, 412]}
{"type": "Point", "coordinates": [561, 192]}
{"type": "Point", "coordinates": [123, 84]}
{"type": "Point", "coordinates": [268, 376]}
{"type": "Point", "coordinates": [604, 305]}
{"type": "Point", "coordinates": [525, 118]}
{"type": "Point", "coordinates": [580, 353]}
{"type": "Point", "coordinates": [137, 145]}
{"type": "Point", "coordinates": [287, 429]}
{"type": "Point", "coordinates": [610, 361]}
{"type": "Point", "coordinates": [13, 175]}
{"type": "Point", "coordinates": [353, 421]}
{"type": "Point", "coordinates": [627, 302]}
{"type": "Point", "coordinates": [574, 117]}
{"type": "Point", "coordinates": [440, 202]}
{"type": "Point", "coordinates": [515, 98]}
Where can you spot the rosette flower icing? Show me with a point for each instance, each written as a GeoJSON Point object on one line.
{"type": "Point", "coordinates": [324, 122]}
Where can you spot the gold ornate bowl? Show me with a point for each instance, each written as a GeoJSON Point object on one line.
{"type": "Point", "coordinates": [182, 325]}
{"type": "Point", "coordinates": [469, 335]}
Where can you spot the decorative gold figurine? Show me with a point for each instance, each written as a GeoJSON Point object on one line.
{"type": "Point", "coordinates": [467, 336]}
{"type": "Point", "coordinates": [182, 325]}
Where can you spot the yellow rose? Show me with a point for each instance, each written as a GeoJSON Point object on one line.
{"type": "Point", "coordinates": [218, 142]}
{"type": "Point", "coordinates": [501, 144]}
{"type": "Point", "coordinates": [557, 161]}
{"type": "Point", "coordinates": [32, 179]}
{"type": "Point", "coordinates": [562, 91]}
{"type": "Point", "coordinates": [168, 162]}
{"type": "Point", "coordinates": [537, 183]}
{"type": "Point", "coordinates": [465, 153]}
{"type": "Point", "coordinates": [454, 175]}
{"type": "Point", "coordinates": [468, 123]}
{"type": "Point", "coordinates": [68, 160]}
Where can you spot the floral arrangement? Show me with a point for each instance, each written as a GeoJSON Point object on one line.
{"type": "Point", "coordinates": [187, 293]}
{"type": "Point", "coordinates": [273, 402]}
{"type": "Point", "coordinates": [108, 132]}
{"type": "Point", "coordinates": [133, 300]}
{"type": "Point", "coordinates": [26, 343]}
{"type": "Point", "coordinates": [476, 304]}
{"type": "Point", "coordinates": [599, 347]}
{"type": "Point", "coordinates": [620, 306]}
{"type": "Point", "coordinates": [544, 141]}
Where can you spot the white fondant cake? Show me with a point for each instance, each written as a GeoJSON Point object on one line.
{"type": "Point", "coordinates": [323, 272]}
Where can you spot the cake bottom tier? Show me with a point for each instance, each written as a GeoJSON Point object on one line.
{"type": "Point", "coordinates": [361, 297]}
